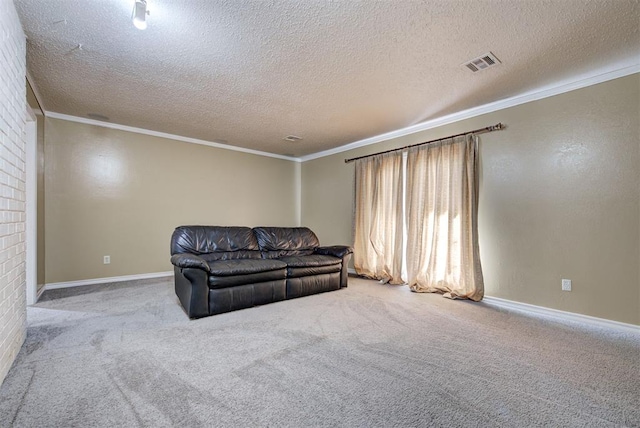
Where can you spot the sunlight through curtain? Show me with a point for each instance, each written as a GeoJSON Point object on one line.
{"type": "Point", "coordinates": [378, 226]}
{"type": "Point", "coordinates": [442, 213]}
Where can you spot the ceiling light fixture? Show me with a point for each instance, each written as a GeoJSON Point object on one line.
{"type": "Point", "coordinates": [139, 15]}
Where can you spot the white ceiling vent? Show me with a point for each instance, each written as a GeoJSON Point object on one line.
{"type": "Point", "coordinates": [484, 61]}
{"type": "Point", "coordinates": [292, 138]}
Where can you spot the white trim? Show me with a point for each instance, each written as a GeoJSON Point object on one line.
{"type": "Point", "coordinates": [42, 290]}
{"type": "Point", "coordinates": [538, 94]}
{"type": "Point", "coordinates": [133, 129]}
{"type": "Point", "coordinates": [36, 93]}
{"type": "Point", "coordinates": [31, 207]}
{"type": "Point", "coordinates": [488, 300]}
{"type": "Point", "coordinates": [56, 285]}
{"type": "Point", "coordinates": [556, 314]}
{"type": "Point", "coordinates": [30, 115]}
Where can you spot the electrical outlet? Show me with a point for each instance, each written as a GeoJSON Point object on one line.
{"type": "Point", "coordinates": [566, 285]}
{"type": "Point", "coordinates": [107, 260]}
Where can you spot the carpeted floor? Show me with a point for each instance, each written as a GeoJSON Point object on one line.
{"type": "Point", "coordinates": [125, 355]}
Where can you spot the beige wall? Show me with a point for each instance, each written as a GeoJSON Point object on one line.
{"type": "Point", "coordinates": [117, 193]}
{"type": "Point", "coordinates": [559, 198]}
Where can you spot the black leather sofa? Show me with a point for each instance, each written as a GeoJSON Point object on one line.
{"type": "Point", "coordinates": [220, 269]}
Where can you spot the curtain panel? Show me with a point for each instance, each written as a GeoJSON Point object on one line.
{"type": "Point", "coordinates": [379, 219]}
{"type": "Point", "coordinates": [441, 214]}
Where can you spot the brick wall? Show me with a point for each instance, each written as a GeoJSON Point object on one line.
{"type": "Point", "coordinates": [12, 185]}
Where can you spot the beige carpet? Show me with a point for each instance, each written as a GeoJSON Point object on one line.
{"type": "Point", "coordinates": [125, 355]}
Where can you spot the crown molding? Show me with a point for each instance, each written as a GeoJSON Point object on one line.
{"type": "Point", "coordinates": [621, 70]}
{"type": "Point", "coordinates": [36, 93]}
{"type": "Point", "coordinates": [583, 81]}
{"type": "Point", "coordinates": [54, 115]}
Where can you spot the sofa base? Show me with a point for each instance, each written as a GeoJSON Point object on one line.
{"type": "Point", "coordinates": [245, 296]}
{"type": "Point", "coordinates": [307, 285]}
{"type": "Point", "coordinates": [198, 300]}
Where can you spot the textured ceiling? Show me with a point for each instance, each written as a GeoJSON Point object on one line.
{"type": "Point", "coordinates": [249, 73]}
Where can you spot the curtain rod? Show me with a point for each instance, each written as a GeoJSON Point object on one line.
{"type": "Point", "coordinates": [496, 127]}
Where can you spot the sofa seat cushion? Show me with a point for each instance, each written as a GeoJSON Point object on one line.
{"type": "Point", "coordinates": [310, 260]}
{"type": "Point", "coordinates": [315, 264]}
{"type": "Point", "coordinates": [216, 282]}
{"type": "Point", "coordinates": [244, 266]}
{"type": "Point", "coordinates": [231, 273]}
{"type": "Point", "coordinates": [299, 272]}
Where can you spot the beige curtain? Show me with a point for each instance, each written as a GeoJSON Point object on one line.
{"type": "Point", "coordinates": [442, 247]}
{"type": "Point", "coordinates": [378, 224]}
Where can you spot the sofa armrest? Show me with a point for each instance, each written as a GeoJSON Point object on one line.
{"type": "Point", "coordinates": [336, 250]}
{"type": "Point", "coordinates": [340, 251]}
{"type": "Point", "coordinates": [186, 260]}
{"type": "Point", "coordinates": [192, 290]}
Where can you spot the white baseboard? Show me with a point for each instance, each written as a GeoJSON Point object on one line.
{"type": "Point", "coordinates": [556, 314]}
{"type": "Point", "coordinates": [40, 291]}
{"type": "Point", "coordinates": [488, 300]}
{"type": "Point", "coordinates": [55, 285]}
{"type": "Point", "coordinates": [560, 315]}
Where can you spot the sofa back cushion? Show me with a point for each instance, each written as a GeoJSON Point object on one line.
{"type": "Point", "coordinates": [285, 241]}
{"type": "Point", "coordinates": [215, 242]}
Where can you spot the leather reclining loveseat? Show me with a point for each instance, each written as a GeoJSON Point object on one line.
{"type": "Point", "coordinates": [220, 269]}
